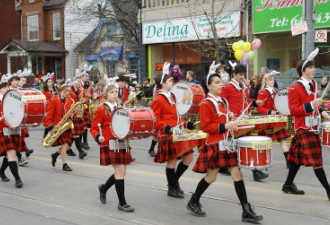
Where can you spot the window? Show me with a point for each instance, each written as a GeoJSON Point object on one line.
{"type": "Point", "coordinates": [112, 69]}
{"type": "Point", "coordinates": [31, 1]}
{"type": "Point", "coordinates": [133, 65]}
{"type": "Point", "coordinates": [58, 68]}
{"type": "Point", "coordinates": [56, 26]}
{"type": "Point", "coordinates": [33, 28]}
{"type": "Point", "coordinates": [112, 33]}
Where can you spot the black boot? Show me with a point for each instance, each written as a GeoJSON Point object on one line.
{"type": "Point", "coordinates": [259, 175]}
{"type": "Point", "coordinates": [70, 152]}
{"type": "Point", "coordinates": [292, 189]}
{"type": "Point", "coordinates": [103, 197]}
{"type": "Point", "coordinates": [174, 192]}
{"type": "Point", "coordinates": [249, 215]}
{"type": "Point", "coordinates": [54, 157]}
{"type": "Point", "coordinates": [66, 167]}
{"type": "Point", "coordinates": [28, 153]}
{"type": "Point", "coordinates": [152, 153]}
{"type": "Point", "coordinates": [195, 207]}
{"type": "Point", "coordinates": [4, 178]}
{"type": "Point", "coordinates": [3, 167]}
{"type": "Point", "coordinates": [85, 145]}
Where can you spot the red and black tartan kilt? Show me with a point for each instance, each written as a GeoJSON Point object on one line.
{"type": "Point", "coordinates": [111, 157]}
{"type": "Point", "coordinates": [78, 127]}
{"type": "Point", "coordinates": [211, 157]}
{"type": "Point", "coordinates": [12, 142]}
{"type": "Point", "coordinates": [305, 149]}
{"type": "Point", "coordinates": [25, 132]}
{"type": "Point", "coordinates": [279, 135]}
{"type": "Point", "coordinates": [86, 118]}
{"type": "Point", "coordinates": [64, 138]}
{"type": "Point", "coordinates": [166, 150]}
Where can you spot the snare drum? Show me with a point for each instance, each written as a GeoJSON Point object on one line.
{"type": "Point", "coordinates": [325, 134]}
{"type": "Point", "coordinates": [24, 107]}
{"type": "Point", "coordinates": [188, 97]}
{"type": "Point", "coordinates": [281, 102]}
{"type": "Point", "coordinates": [254, 152]}
{"type": "Point", "coordinates": [132, 123]}
{"type": "Point", "coordinates": [187, 141]}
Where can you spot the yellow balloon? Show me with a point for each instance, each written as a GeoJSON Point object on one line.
{"type": "Point", "coordinates": [246, 46]}
{"type": "Point", "coordinates": [238, 54]}
{"type": "Point", "coordinates": [236, 46]}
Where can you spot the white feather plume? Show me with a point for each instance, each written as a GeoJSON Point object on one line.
{"type": "Point", "coordinates": [311, 57]}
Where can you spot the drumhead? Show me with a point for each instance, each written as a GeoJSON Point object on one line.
{"type": "Point", "coordinates": [281, 102]}
{"type": "Point", "coordinates": [183, 96]}
{"type": "Point", "coordinates": [120, 123]}
{"type": "Point", "coordinates": [248, 140]}
{"type": "Point", "coordinates": [13, 108]}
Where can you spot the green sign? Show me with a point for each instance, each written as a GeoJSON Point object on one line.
{"type": "Point", "coordinates": [279, 15]}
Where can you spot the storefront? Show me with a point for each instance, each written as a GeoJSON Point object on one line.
{"type": "Point", "coordinates": [178, 41]}
{"type": "Point", "coordinates": [280, 50]}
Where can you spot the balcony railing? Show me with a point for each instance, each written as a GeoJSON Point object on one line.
{"type": "Point", "coordinates": [162, 3]}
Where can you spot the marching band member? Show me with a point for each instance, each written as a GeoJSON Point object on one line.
{"type": "Point", "coordinates": [215, 122]}
{"type": "Point", "coordinates": [236, 93]}
{"type": "Point", "coordinates": [10, 144]}
{"type": "Point", "coordinates": [48, 88]}
{"type": "Point", "coordinates": [88, 94]}
{"type": "Point", "coordinates": [266, 95]}
{"type": "Point", "coordinates": [78, 130]}
{"type": "Point", "coordinates": [121, 84]}
{"type": "Point", "coordinates": [164, 108]}
{"type": "Point", "coordinates": [112, 151]}
{"type": "Point", "coordinates": [56, 109]}
{"type": "Point", "coordinates": [305, 106]}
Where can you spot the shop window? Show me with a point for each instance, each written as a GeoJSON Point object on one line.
{"type": "Point", "coordinates": [56, 26]}
{"type": "Point", "coordinates": [133, 65]}
{"type": "Point", "coordinates": [112, 69]}
{"type": "Point", "coordinates": [33, 28]}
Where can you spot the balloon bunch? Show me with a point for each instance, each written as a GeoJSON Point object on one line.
{"type": "Point", "coordinates": [244, 51]}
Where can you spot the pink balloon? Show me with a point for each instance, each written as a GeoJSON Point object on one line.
{"type": "Point", "coordinates": [256, 43]}
{"type": "Point", "coordinates": [244, 52]}
{"type": "Point", "coordinates": [244, 61]}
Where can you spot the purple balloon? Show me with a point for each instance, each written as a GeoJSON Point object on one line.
{"type": "Point", "coordinates": [244, 61]}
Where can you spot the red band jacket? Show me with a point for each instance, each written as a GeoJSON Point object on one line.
{"type": "Point", "coordinates": [56, 109]}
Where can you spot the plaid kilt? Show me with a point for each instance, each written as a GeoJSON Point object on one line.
{"type": "Point", "coordinates": [279, 135]}
{"type": "Point", "coordinates": [78, 127]}
{"type": "Point", "coordinates": [305, 149]}
{"type": "Point", "coordinates": [110, 157]}
{"type": "Point", "coordinates": [64, 138]}
{"type": "Point", "coordinates": [12, 142]}
{"type": "Point", "coordinates": [211, 157]}
{"type": "Point", "coordinates": [86, 119]}
{"type": "Point", "coordinates": [25, 132]}
{"type": "Point", "coordinates": [166, 150]}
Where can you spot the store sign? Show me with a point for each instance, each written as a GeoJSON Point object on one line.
{"type": "Point", "coordinates": [189, 29]}
{"type": "Point", "coordinates": [321, 35]}
{"type": "Point", "coordinates": [280, 15]}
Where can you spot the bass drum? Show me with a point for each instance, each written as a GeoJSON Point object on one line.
{"type": "Point", "coordinates": [281, 102]}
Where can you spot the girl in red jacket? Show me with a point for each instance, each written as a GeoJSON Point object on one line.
{"type": "Point", "coordinates": [48, 88]}
{"type": "Point", "coordinates": [112, 151]}
{"type": "Point", "coordinates": [266, 95]}
{"type": "Point", "coordinates": [56, 110]}
{"type": "Point", "coordinates": [9, 144]}
{"type": "Point", "coordinates": [164, 108]}
{"type": "Point", "coordinates": [215, 121]}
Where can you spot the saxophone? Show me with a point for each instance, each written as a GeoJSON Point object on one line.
{"type": "Point", "coordinates": [61, 127]}
{"type": "Point", "coordinates": [81, 107]}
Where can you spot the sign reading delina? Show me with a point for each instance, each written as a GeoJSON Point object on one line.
{"type": "Point", "coordinates": [261, 145]}
{"type": "Point", "coordinates": [191, 28]}
{"type": "Point", "coordinates": [280, 15]}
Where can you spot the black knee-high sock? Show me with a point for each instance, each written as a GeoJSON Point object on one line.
{"type": "Point", "coordinates": [240, 191]}
{"type": "Point", "coordinates": [200, 189]}
{"type": "Point", "coordinates": [285, 155]}
{"type": "Point", "coordinates": [170, 176]}
{"type": "Point", "coordinates": [180, 170]}
{"type": "Point", "coordinates": [4, 165]}
{"type": "Point", "coordinates": [292, 174]}
{"type": "Point", "coordinates": [153, 144]}
{"type": "Point", "coordinates": [120, 189]}
{"type": "Point", "coordinates": [19, 155]}
{"type": "Point", "coordinates": [323, 179]}
{"type": "Point", "coordinates": [77, 141]}
{"type": "Point", "coordinates": [85, 136]}
{"type": "Point", "coordinates": [14, 170]}
{"type": "Point", "coordinates": [108, 183]}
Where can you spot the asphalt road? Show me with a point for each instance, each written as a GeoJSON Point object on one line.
{"type": "Point", "coordinates": [52, 196]}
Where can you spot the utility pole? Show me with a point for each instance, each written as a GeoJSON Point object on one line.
{"type": "Point", "coordinates": [308, 37]}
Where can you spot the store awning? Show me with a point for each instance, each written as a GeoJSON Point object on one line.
{"type": "Point", "coordinates": [111, 53]}
{"type": "Point", "coordinates": [131, 55]}
{"type": "Point", "coordinates": [93, 57]}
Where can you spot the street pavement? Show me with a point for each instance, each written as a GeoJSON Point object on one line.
{"type": "Point", "coordinates": [54, 197]}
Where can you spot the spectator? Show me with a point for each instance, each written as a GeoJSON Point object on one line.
{"type": "Point", "coordinates": [139, 95]}
{"type": "Point", "coordinates": [224, 75]}
{"type": "Point", "coordinates": [36, 84]}
{"type": "Point", "coordinates": [176, 73]}
{"type": "Point", "coordinates": [191, 77]}
{"type": "Point", "coordinates": [326, 97]}
{"type": "Point", "coordinates": [147, 88]}
{"type": "Point", "coordinates": [265, 70]}
{"type": "Point", "coordinates": [254, 88]}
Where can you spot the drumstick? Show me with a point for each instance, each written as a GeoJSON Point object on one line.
{"type": "Point", "coordinates": [99, 125]}
{"type": "Point", "coordinates": [240, 117]}
{"type": "Point", "coordinates": [197, 123]}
